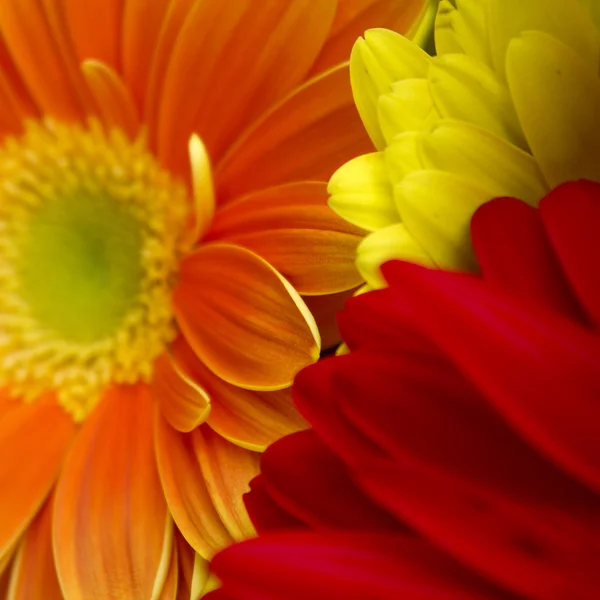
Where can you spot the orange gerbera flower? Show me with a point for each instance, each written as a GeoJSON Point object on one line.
{"type": "Point", "coordinates": [162, 216]}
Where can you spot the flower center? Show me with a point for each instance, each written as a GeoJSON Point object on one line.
{"type": "Point", "coordinates": [90, 236]}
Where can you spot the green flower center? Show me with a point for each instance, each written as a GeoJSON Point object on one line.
{"type": "Point", "coordinates": [90, 239]}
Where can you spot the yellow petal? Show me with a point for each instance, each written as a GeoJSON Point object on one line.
{"type": "Point", "coordinates": [409, 107]}
{"type": "Point", "coordinates": [361, 192]}
{"type": "Point", "coordinates": [394, 242]}
{"type": "Point", "coordinates": [463, 31]}
{"type": "Point", "coordinates": [437, 208]}
{"type": "Point", "coordinates": [557, 98]}
{"type": "Point", "coordinates": [489, 161]}
{"type": "Point", "coordinates": [566, 20]}
{"type": "Point", "coordinates": [465, 89]}
{"type": "Point", "coordinates": [403, 156]}
{"type": "Point", "coordinates": [377, 61]}
{"type": "Point", "coordinates": [202, 187]}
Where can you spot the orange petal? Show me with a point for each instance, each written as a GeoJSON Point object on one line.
{"type": "Point", "coordinates": [34, 29]}
{"type": "Point", "coordinates": [249, 419]}
{"type": "Point", "coordinates": [113, 99]}
{"type": "Point", "coordinates": [354, 17]}
{"type": "Point", "coordinates": [185, 556]}
{"type": "Point", "coordinates": [33, 441]}
{"type": "Point", "coordinates": [112, 532]}
{"type": "Point", "coordinates": [227, 471]}
{"type": "Point", "coordinates": [33, 572]}
{"type": "Point", "coordinates": [185, 490]}
{"type": "Point", "coordinates": [16, 104]}
{"type": "Point", "coordinates": [292, 227]}
{"type": "Point", "coordinates": [170, 585]}
{"type": "Point", "coordinates": [183, 403]}
{"type": "Point", "coordinates": [242, 59]}
{"type": "Point", "coordinates": [324, 309]}
{"type": "Point", "coordinates": [306, 137]}
{"type": "Point", "coordinates": [141, 25]}
{"type": "Point", "coordinates": [95, 28]}
{"type": "Point", "coordinates": [244, 320]}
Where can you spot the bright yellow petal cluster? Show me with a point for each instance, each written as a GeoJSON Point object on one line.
{"type": "Point", "coordinates": [510, 106]}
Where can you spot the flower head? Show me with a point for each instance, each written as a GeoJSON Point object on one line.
{"type": "Point", "coordinates": [508, 107]}
{"type": "Point", "coordinates": [453, 452]}
{"type": "Point", "coordinates": [163, 230]}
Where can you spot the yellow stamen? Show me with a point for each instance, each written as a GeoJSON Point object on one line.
{"type": "Point", "coordinates": [90, 236]}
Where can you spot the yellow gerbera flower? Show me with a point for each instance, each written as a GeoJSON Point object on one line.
{"type": "Point", "coordinates": [510, 106]}
{"type": "Point", "coordinates": [163, 230]}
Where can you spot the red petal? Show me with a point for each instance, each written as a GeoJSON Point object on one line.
{"type": "Point", "coordinates": [571, 215]}
{"type": "Point", "coordinates": [515, 254]}
{"type": "Point", "coordinates": [508, 541]}
{"type": "Point", "coordinates": [526, 363]}
{"type": "Point", "coordinates": [265, 513]}
{"type": "Point", "coordinates": [353, 566]}
{"type": "Point", "coordinates": [307, 479]}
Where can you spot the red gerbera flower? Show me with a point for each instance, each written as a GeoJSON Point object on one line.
{"type": "Point", "coordinates": [454, 452]}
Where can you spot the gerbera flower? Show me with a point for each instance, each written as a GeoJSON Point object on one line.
{"type": "Point", "coordinates": [509, 106]}
{"type": "Point", "coordinates": [454, 451]}
{"type": "Point", "coordinates": [162, 216]}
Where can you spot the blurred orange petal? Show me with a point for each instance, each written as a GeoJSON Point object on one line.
{"type": "Point", "coordinates": [33, 574]}
{"type": "Point", "coordinates": [112, 532]}
{"type": "Point", "coordinates": [186, 492]}
{"type": "Point", "coordinates": [102, 41]}
{"type": "Point", "coordinates": [240, 67]}
{"type": "Point", "coordinates": [245, 322]}
{"type": "Point", "coordinates": [27, 27]}
{"type": "Point", "coordinates": [354, 17]}
{"type": "Point", "coordinates": [141, 24]}
{"type": "Point", "coordinates": [249, 419]}
{"type": "Point", "coordinates": [307, 136]}
{"type": "Point", "coordinates": [33, 441]}
{"type": "Point", "coordinates": [292, 227]}
{"type": "Point", "coordinates": [182, 402]}
{"type": "Point", "coordinates": [113, 98]}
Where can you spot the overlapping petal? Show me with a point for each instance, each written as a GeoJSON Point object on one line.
{"type": "Point", "coordinates": [28, 470]}
{"type": "Point", "coordinates": [111, 528]}
{"type": "Point", "coordinates": [243, 319]}
{"type": "Point", "coordinates": [247, 418]}
{"type": "Point", "coordinates": [292, 228]}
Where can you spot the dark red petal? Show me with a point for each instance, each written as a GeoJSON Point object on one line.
{"type": "Point", "coordinates": [510, 542]}
{"type": "Point", "coordinates": [353, 566]}
{"type": "Point", "coordinates": [571, 214]}
{"type": "Point", "coordinates": [539, 369]}
{"type": "Point", "coordinates": [427, 415]}
{"type": "Point", "coordinates": [306, 478]}
{"type": "Point", "coordinates": [265, 513]}
{"type": "Point", "coordinates": [315, 398]}
{"type": "Point", "coordinates": [516, 255]}
{"type": "Point", "coordinates": [379, 319]}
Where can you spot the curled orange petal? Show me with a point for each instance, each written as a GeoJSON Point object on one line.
{"type": "Point", "coordinates": [182, 402]}
{"type": "Point", "coordinates": [243, 319]}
